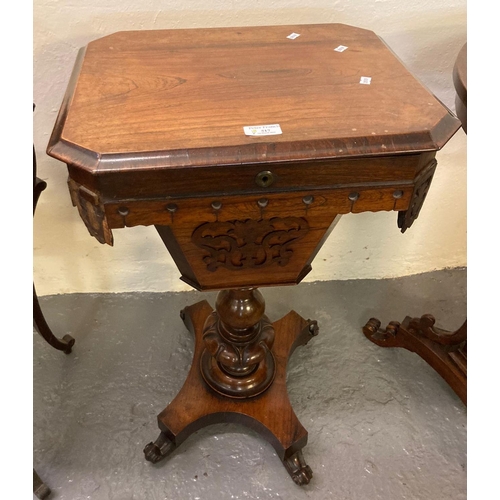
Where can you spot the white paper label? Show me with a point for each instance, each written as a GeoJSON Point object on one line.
{"type": "Point", "coordinates": [263, 130]}
{"type": "Point", "coordinates": [340, 48]}
{"type": "Point", "coordinates": [293, 36]}
{"type": "Point", "coordinates": [366, 80]}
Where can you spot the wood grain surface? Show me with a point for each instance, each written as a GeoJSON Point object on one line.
{"type": "Point", "coordinates": [182, 97]}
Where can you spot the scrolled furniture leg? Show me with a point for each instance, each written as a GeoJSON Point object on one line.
{"type": "Point", "coordinates": [163, 446]}
{"type": "Point", "coordinates": [425, 325]}
{"type": "Point", "coordinates": [296, 466]}
{"type": "Point", "coordinates": [381, 337]}
{"type": "Point", "coordinates": [65, 344]}
{"type": "Point", "coordinates": [443, 350]}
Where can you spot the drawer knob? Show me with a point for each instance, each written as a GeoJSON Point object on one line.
{"type": "Point", "coordinates": [308, 199]}
{"type": "Point", "coordinates": [123, 211]}
{"type": "Point", "coordinates": [397, 194]}
{"type": "Point", "coordinates": [216, 205]}
{"type": "Point", "coordinates": [172, 207]}
{"type": "Point", "coordinates": [264, 178]}
{"type": "Point", "coordinates": [353, 196]}
{"type": "Point", "coordinates": [263, 202]}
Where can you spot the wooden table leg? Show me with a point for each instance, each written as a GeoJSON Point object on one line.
{"type": "Point", "coordinates": [238, 375]}
{"type": "Point", "coordinates": [445, 351]}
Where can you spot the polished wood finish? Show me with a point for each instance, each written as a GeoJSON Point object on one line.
{"type": "Point", "coordinates": [190, 92]}
{"type": "Point", "coordinates": [395, 188]}
{"type": "Point", "coordinates": [238, 361]}
{"type": "Point", "coordinates": [269, 413]}
{"type": "Point", "coordinates": [152, 130]}
{"type": "Point", "coordinates": [445, 351]}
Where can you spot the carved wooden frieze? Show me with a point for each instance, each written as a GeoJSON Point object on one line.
{"type": "Point", "coordinates": [249, 243]}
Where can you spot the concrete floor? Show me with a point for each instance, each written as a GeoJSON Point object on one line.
{"type": "Point", "coordinates": [382, 424]}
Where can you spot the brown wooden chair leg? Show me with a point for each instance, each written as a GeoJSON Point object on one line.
{"type": "Point", "coordinates": [40, 489]}
{"type": "Point", "coordinates": [445, 351]}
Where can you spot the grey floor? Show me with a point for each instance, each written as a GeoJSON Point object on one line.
{"type": "Point", "coordinates": [382, 424]}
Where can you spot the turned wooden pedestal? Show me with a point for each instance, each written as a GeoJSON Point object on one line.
{"type": "Point", "coordinates": [215, 393]}
{"type": "Point", "coordinates": [243, 147]}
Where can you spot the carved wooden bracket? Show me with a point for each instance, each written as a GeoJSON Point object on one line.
{"type": "Point", "coordinates": [91, 212]}
{"type": "Point", "coordinates": [422, 184]}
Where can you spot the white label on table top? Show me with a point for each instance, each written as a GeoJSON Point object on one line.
{"type": "Point", "coordinates": [366, 80]}
{"type": "Point", "coordinates": [293, 36]}
{"type": "Point", "coordinates": [257, 130]}
{"type": "Point", "coordinates": [340, 48]}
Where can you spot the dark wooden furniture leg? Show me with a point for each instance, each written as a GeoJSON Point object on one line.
{"type": "Point", "coordinates": [66, 343]}
{"type": "Point", "coordinates": [238, 375]}
{"type": "Point", "coordinates": [445, 351]}
{"type": "Point", "coordinates": [40, 489]}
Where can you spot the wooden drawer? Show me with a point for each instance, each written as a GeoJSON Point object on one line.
{"type": "Point", "coordinates": [246, 179]}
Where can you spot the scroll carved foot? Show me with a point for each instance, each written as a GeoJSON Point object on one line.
{"type": "Point", "coordinates": [445, 351]}
{"type": "Point", "coordinates": [383, 338]}
{"type": "Point", "coordinates": [296, 466]}
{"type": "Point", "coordinates": [163, 446]}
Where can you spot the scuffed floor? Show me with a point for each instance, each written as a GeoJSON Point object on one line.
{"type": "Point", "coordinates": [382, 423]}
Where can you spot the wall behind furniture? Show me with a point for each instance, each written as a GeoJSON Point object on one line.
{"type": "Point", "coordinates": [426, 35]}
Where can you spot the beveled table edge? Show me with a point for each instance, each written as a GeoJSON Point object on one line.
{"type": "Point", "coordinates": [258, 152]}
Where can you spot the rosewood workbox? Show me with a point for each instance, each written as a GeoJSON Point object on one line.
{"type": "Point", "coordinates": [243, 146]}
{"type": "Point", "coordinates": [152, 131]}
